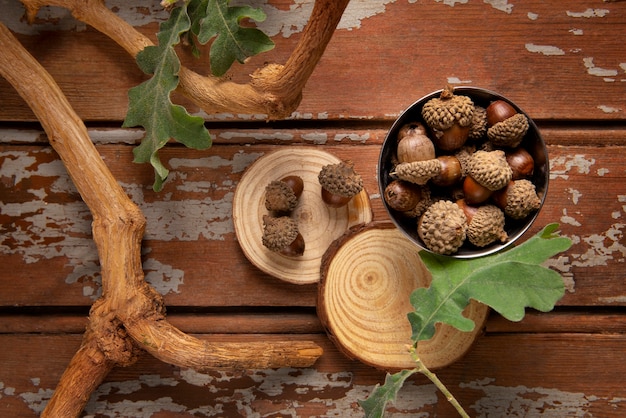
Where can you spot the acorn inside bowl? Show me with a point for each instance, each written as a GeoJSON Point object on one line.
{"type": "Point", "coordinates": [491, 198]}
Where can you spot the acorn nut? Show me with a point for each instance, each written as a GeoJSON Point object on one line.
{"type": "Point", "coordinates": [521, 162]}
{"type": "Point", "coordinates": [478, 128]}
{"type": "Point", "coordinates": [402, 195]}
{"type": "Point", "coordinates": [490, 169]}
{"type": "Point", "coordinates": [518, 199]}
{"type": "Point", "coordinates": [281, 196]}
{"type": "Point", "coordinates": [340, 183]}
{"type": "Point", "coordinates": [485, 224]}
{"type": "Point", "coordinates": [417, 172]}
{"type": "Point", "coordinates": [281, 235]}
{"type": "Point", "coordinates": [450, 118]}
{"type": "Point", "coordinates": [443, 227]}
{"type": "Point", "coordinates": [414, 144]}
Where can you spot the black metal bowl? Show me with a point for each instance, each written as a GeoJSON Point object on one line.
{"type": "Point", "coordinates": [532, 142]}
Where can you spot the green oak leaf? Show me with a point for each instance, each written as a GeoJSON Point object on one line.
{"type": "Point", "coordinates": [233, 41]}
{"type": "Point", "coordinates": [376, 403]}
{"type": "Point", "coordinates": [508, 282]}
{"type": "Point", "coordinates": [150, 105]}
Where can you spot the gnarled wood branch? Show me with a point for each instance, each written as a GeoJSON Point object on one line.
{"type": "Point", "coordinates": [130, 313]}
{"type": "Point", "coordinates": [274, 90]}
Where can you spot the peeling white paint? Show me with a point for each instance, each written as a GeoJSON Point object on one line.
{"type": "Point", "coordinates": [577, 32]}
{"type": "Point", "coordinates": [544, 49]}
{"type": "Point", "coordinates": [500, 401]}
{"type": "Point", "coordinates": [317, 138]}
{"type": "Point", "coordinates": [502, 5]}
{"type": "Point", "coordinates": [613, 299]}
{"type": "Point", "coordinates": [597, 71]}
{"type": "Point", "coordinates": [451, 3]}
{"type": "Point", "coordinates": [456, 80]}
{"type": "Point", "coordinates": [603, 247]}
{"type": "Point", "coordinates": [162, 277]}
{"type": "Point", "coordinates": [561, 166]}
{"type": "Point", "coordinates": [575, 195]}
{"type": "Point", "coordinates": [70, 235]}
{"type": "Point", "coordinates": [8, 136]}
{"type": "Point", "coordinates": [589, 13]}
{"type": "Point", "coordinates": [609, 109]}
{"type": "Point", "coordinates": [569, 220]}
{"type": "Point", "coordinates": [257, 136]}
{"type": "Point", "coordinates": [352, 137]}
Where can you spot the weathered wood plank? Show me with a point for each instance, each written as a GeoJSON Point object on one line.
{"type": "Point", "coordinates": [503, 375]}
{"type": "Point", "coordinates": [191, 254]}
{"type": "Point", "coordinates": [558, 60]}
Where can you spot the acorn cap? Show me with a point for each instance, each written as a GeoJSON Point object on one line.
{"type": "Point", "coordinates": [521, 199]}
{"type": "Point", "coordinates": [464, 154]}
{"type": "Point", "coordinates": [279, 232]}
{"type": "Point", "coordinates": [422, 205]}
{"type": "Point", "coordinates": [443, 227]}
{"type": "Point", "coordinates": [444, 111]}
{"type": "Point", "coordinates": [486, 226]}
{"type": "Point", "coordinates": [490, 169]}
{"type": "Point", "coordinates": [509, 132]}
{"type": "Point", "coordinates": [341, 179]}
{"type": "Point", "coordinates": [418, 172]}
{"type": "Point", "coordinates": [478, 128]}
{"type": "Point", "coordinates": [280, 197]}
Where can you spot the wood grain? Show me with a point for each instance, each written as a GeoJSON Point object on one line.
{"type": "Point", "coordinates": [558, 60]}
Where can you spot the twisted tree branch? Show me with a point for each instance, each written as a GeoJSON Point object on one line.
{"type": "Point", "coordinates": [130, 313]}
{"type": "Point", "coordinates": [275, 90]}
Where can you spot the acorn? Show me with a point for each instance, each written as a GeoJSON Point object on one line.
{"type": "Point", "coordinates": [474, 192]}
{"type": "Point", "coordinates": [281, 196]}
{"type": "Point", "coordinates": [423, 204]}
{"type": "Point", "coordinates": [449, 117]}
{"type": "Point", "coordinates": [281, 235]}
{"type": "Point", "coordinates": [518, 199]}
{"type": "Point", "coordinates": [498, 111]}
{"type": "Point", "coordinates": [485, 224]}
{"type": "Point", "coordinates": [340, 183]}
{"type": "Point", "coordinates": [414, 144]}
{"type": "Point", "coordinates": [490, 169]}
{"type": "Point", "coordinates": [478, 127]}
{"type": "Point", "coordinates": [450, 172]}
{"type": "Point", "coordinates": [402, 196]}
{"type": "Point", "coordinates": [521, 162]}
{"type": "Point", "coordinates": [443, 227]}
{"type": "Point", "coordinates": [507, 127]}
{"type": "Point", "coordinates": [417, 172]}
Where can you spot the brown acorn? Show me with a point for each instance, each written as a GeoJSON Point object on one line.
{"type": "Point", "coordinates": [402, 196]}
{"type": "Point", "coordinates": [340, 183]}
{"type": "Point", "coordinates": [414, 144]}
{"type": "Point", "coordinates": [521, 162]}
{"type": "Point", "coordinates": [518, 199]}
{"type": "Point", "coordinates": [281, 196]}
{"type": "Point", "coordinates": [450, 118]}
{"type": "Point", "coordinates": [281, 235]}
{"type": "Point", "coordinates": [443, 227]}
{"type": "Point", "coordinates": [450, 173]}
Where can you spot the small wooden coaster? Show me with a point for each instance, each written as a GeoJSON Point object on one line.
{"type": "Point", "coordinates": [363, 301]}
{"type": "Point", "coordinates": [319, 224]}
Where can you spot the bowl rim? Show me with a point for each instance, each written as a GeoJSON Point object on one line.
{"type": "Point", "coordinates": [542, 176]}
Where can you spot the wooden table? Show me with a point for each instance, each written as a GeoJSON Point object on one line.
{"type": "Point", "coordinates": [560, 61]}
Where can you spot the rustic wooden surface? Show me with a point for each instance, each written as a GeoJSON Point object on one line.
{"type": "Point", "coordinates": [561, 61]}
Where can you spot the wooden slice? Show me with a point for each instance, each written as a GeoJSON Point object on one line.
{"type": "Point", "coordinates": [367, 278]}
{"type": "Point", "coordinates": [319, 224]}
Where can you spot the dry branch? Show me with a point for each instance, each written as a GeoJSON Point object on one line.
{"type": "Point", "coordinates": [130, 313]}
{"type": "Point", "coordinates": [275, 90]}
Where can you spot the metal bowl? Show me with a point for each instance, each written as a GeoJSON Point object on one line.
{"type": "Point", "coordinates": [532, 142]}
